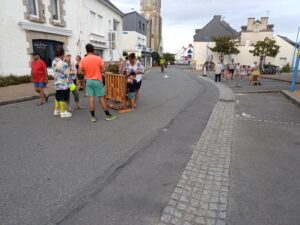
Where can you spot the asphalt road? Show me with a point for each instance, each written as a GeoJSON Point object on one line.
{"type": "Point", "coordinates": [71, 171]}
{"type": "Point", "coordinates": [264, 175]}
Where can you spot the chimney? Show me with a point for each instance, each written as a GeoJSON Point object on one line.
{"type": "Point", "coordinates": [250, 23]}
{"type": "Point", "coordinates": [264, 23]}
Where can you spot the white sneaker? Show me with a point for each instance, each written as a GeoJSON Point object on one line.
{"type": "Point", "coordinates": [65, 114]}
{"type": "Point", "coordinates": [56, 113]}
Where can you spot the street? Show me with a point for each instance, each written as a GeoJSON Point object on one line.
{"type": "Point", "coordinates": [56, 171]}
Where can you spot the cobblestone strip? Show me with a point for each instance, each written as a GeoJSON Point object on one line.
{"type": "Point", "coordinates": [201, 195]}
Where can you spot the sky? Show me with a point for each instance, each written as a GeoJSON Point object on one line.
{"type": "Point", "coordinates": [182, 17]}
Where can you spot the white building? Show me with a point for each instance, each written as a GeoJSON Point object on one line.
{"type": "Point", "coordinates": [41, 25]}
{"type": "Point", "coordinates": [255, 30]}
{"type": "Point", "coordinates": [185, 54]}
{"type": "Point", "coordinates": [135, 37]}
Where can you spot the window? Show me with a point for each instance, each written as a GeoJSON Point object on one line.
{"type": "Point", "coordinates": [99, 25]}
{"type": "Point", "coordinates": [143, 27]}
{"type": "Point", "coordinates": [46, 48]}
{"type": "Point", "coordinates": [99, 52]}
{"type": "Point", "coordinates": [32, 7]}
{"type": "Point", "coordinates": [93, 22]}
{"type": "Point", "coordinates": [116, 23]}
{"type": "Point", "coordinates": [55, 10]}
{"type": "Point", "coordinates": [112, 40]}
{"type": "Point", "coordinates": [140, 25]}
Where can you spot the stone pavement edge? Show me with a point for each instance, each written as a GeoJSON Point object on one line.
{"type": "Point", "coordinates": [201, 195]}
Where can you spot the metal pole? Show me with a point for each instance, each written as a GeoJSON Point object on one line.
{"type": "Point", "coordinates": [295, 71]}
{"type": "Point", "coordinates": [295, 48]}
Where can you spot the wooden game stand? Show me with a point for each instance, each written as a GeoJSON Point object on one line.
{"type": "Point", "coordinates": [116, 92]}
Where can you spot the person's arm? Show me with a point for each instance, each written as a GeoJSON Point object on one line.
{"type": "Point", "coordinates": [46, 73]}
{"type": "Point", "coordinates": [103, 68]}
{"type": "Point", "coordinates": [31, 75]}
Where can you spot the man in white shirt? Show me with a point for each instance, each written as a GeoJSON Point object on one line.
{"type": "Point", "coordinates": [218, 71]}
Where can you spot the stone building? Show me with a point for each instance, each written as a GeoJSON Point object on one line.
{"type": "Point", "coordinates": [255, 30]}
{"type": "Point", "coordinates": [151, 9]}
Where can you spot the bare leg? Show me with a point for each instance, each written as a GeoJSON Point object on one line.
{"type": "Point", "coordinates": [137, 96]}
{"type": "Point", "coordinates": [92, 103]}
{"type": "Point", "coordinates": [103, 103]}
{"type": "Point", "coordinates": [42, 95]}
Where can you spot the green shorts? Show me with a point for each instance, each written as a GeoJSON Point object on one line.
{"type": "Point", "coordinates": [131, 95]}
{"type": "Point", "coordinates": [95, 88]}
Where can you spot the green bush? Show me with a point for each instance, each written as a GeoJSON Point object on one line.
{"type": "Point", "coordinates": [15, 80]}
{"type": "Point", "coordinates": [287, 68]}
{"type": "Point", "coordinates": [113, 68]}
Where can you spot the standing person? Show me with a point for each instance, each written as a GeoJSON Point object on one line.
{"type": "Point", "coordinates": [231, 69]}
{"type": "Point", "coordinates": [135, 66]}
{"type": "Point", "coordinates": [79, 76]}
{"type": "Point", "coordinates": [39, 77]}
{"type": "Point", "coordinates": [121, 66]}
{"type": "Point", "coordinates": [204, 70]}
{"type": "Point", "coordinates": [92, 67]}
{"type": "Point", "coordinates": [218, 71]}
{"type": "Point", "coordinates": [62, 83]}
{"type": "Point", "coordinates": [68, 60]}
{"type": "Point", "coordinates": [237, 70]}
{"type": "Point", "coordinates": [131, 84]}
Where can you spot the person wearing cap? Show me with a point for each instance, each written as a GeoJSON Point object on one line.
{"type": "Point", "coordinates": [39, 77]}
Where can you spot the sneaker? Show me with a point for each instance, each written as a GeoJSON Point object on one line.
{"type": "Point", "coordinates": [65, 114]}
{"type": "Point", "coordinates": [110, 118]}
{"type": "Point", "coordinates": [93, 119]}
{"type": "Point", "coordinates": [56, 113]}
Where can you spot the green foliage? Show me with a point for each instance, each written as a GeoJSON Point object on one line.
{"type": "Point", "coordinates": [155, 58]}
{"type": "Point", "coordinates": [265, 48]}
{"type": "Point", "coordinates": [113, 68]}
{"type": "Point", "coordinates": [287, 68]}
{"type": "Point", "coordinates": [15, 80]}
{"type": "Point", "coordinates": [125, 54]}
{"type": "Point", "coordinates": [169, 57]}
{"type": "Point", "coordinates": [225, 46]}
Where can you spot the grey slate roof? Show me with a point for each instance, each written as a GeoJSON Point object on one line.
{"type": "Point", "coordinates": [113, 7]}
{"type": "Point", "coordinates": [215, 28]}
{"type": "Point", "coordinates": [288, 40]}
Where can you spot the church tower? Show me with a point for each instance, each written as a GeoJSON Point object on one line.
{"type": "Point", "coordinates": [151, 10]}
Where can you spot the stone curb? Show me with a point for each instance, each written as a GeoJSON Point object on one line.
{"type": "Point", "coordinates": [291, 98]}
{"type": "Point", "coordinates": [274, 78]}
{"type": "Point", "coordinates": [21, 99]}
{"type": "Point", "coordinates": [201, 195]}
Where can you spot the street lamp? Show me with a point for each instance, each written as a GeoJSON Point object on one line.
{"type": "Point", "coordinates": [295, 71]}
{"type": "Point", "coordinates": [296, 45]}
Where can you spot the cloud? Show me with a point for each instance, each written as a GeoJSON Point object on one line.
{"type": "Point", "coordinates": [182, 17]}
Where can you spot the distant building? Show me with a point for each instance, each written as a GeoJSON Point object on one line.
{"type": "Point", "coordinates": [203, 39]}
{"type": "Point", "coordinates": [185, 54]}
{"type": "Point", "coordinates": [255, 30]}
{"type": "Point", "coordinates": [151, 10]}
{"type": "Point", "coordinates": [134, 37]}
{"type": "Point", "coordinates": [42, 25]}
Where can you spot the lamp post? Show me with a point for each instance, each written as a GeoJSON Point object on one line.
{"type": "Point", "coordinates": [295, 71]}
{"type": "Point", "coordinates": [295, 48]}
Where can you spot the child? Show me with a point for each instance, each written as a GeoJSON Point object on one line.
{"type": "Point", "coordinates": [131, 84]}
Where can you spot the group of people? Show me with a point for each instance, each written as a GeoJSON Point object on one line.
{"type": "Point", "coordinates": [230, 71]}
{"type": "Point", "coordinates": [86, 75]}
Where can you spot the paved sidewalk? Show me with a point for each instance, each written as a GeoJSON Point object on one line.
{"type": "Point", "coordinates": [293, 96]}
{"type": "Point", "coordinates": [22, 92]}
{"type": "Point", "coordinates": [282, 77]}
{"type": "Point", "coordinates": [201, 195]}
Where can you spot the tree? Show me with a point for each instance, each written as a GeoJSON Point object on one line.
{"type": "Point", "coordinates": [265, 48]}
{"type": "Point", "coordinates": [156, 58]}
{"type": "Point", "coordinates": [225, 46]}
{"type": "Point", "coordinates": [125, 54]}
{"type": "Point", "coordinates": [169, 57]}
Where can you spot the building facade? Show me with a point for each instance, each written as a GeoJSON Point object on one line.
{"type": "Point", "coordinates": [42, 25]}
{"type": "Point", "coordinates": [255, 30]}
{"type": "Point", "coordinates": [151, 10]}
{"type": "Point", "coordinates": [135, 37]}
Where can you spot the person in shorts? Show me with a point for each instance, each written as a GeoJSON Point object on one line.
{"type": "Point", "coordinates": [92, 67]}
{"type": "Point", "coordinates": [131, 84]}
{"type": "Point", "coordinates": [39, 77]}
{"type": "Point", "coordinates": [62, 83]}
{"type": "Point", "coordinates": [80, 77]}
{"type": "Point", "coordinates": [134, 65]}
